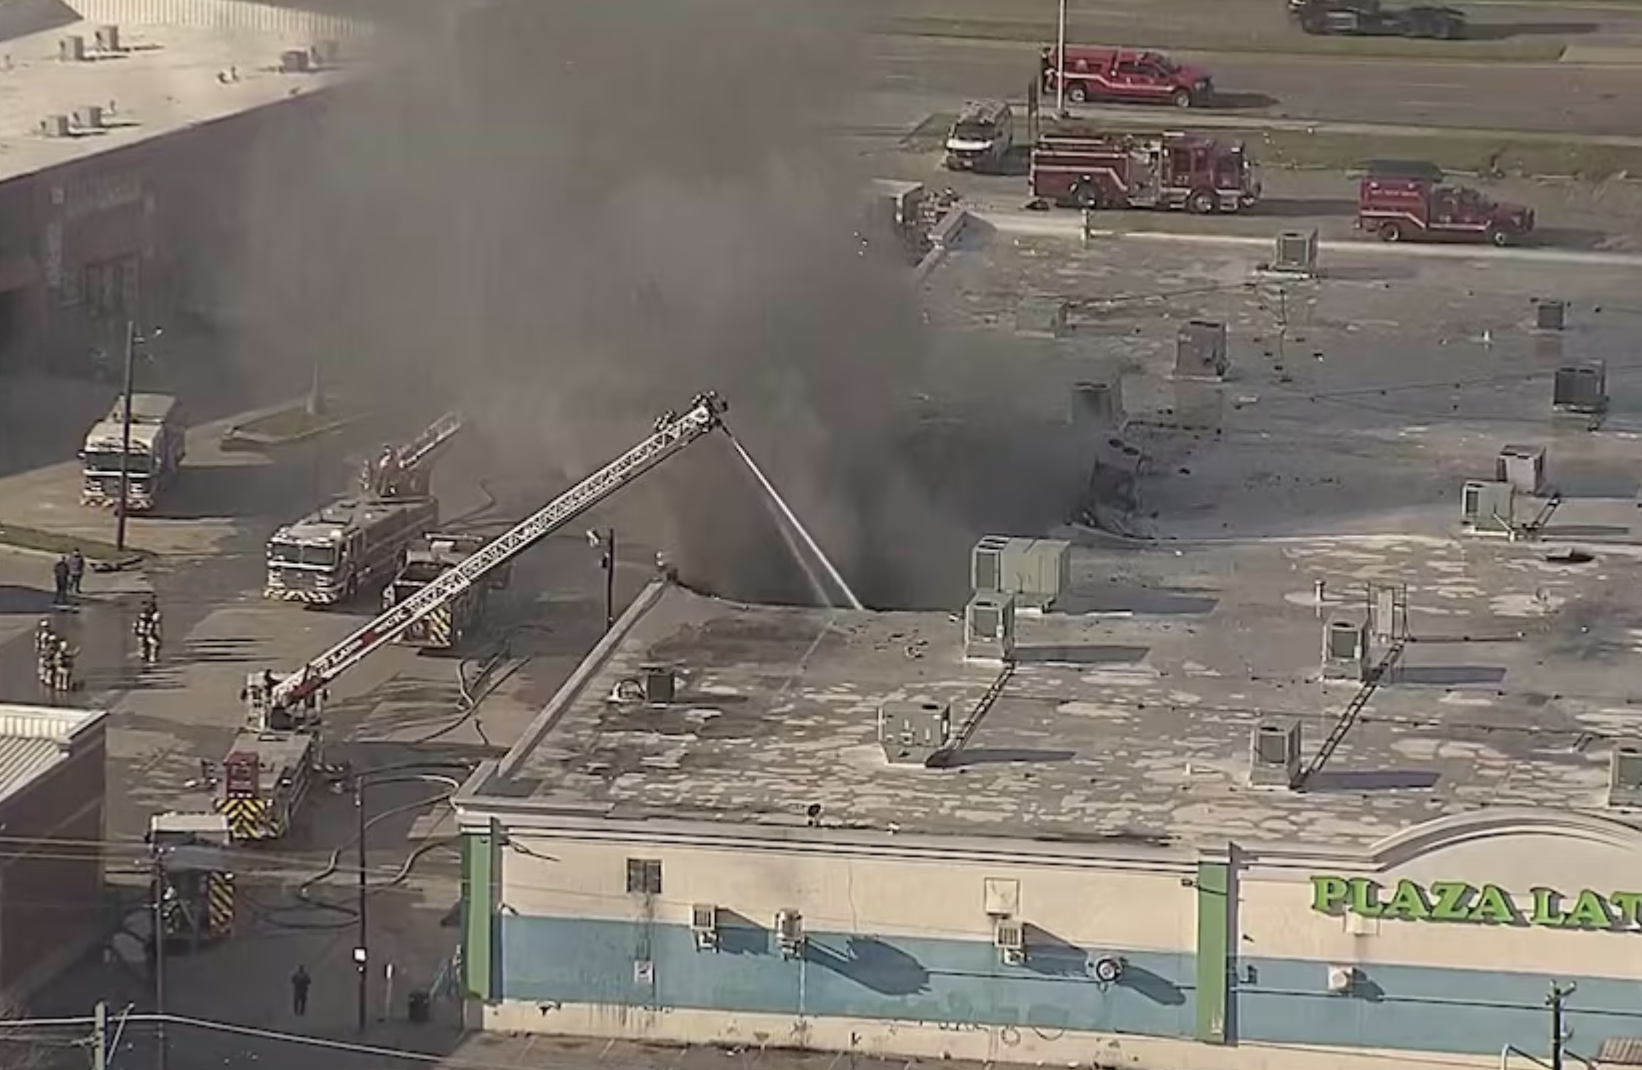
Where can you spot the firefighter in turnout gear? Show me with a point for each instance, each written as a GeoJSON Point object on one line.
{"type": "Point", "coordinates": [62, 666]}
{"type": "Point", "coordinates": [45, 643]}
{"type": "Point", "coordinates": [147, 630]}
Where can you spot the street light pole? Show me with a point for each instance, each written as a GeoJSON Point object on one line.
{"type": "Point", "coordinates": [609, 578]}
{"type": "Point", "coordinates": [159, 960]}
{"type": "Point", "coordinates": [125, 434]}
{"type": "Point", "coordinates": [1557, 1001]}
{"type": "Point", "coordinates": [1060, 63]}
{"type": "Point", "coordinates": [359, 955]}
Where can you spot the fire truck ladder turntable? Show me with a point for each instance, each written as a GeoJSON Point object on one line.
{"type": "Point", "coordinates": [403, 473]}
{"type": "Point", "coordinates": [672, 433]}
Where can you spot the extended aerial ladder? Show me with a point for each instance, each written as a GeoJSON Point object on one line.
{"type": "Point", "coordinates": [295, 698]}
{"type": "Point", "coordinates": [405, 471]}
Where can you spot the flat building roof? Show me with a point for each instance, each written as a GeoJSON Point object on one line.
{"type": "Point", "coordinates": [179, 64]}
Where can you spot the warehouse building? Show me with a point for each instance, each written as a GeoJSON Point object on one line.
{"type": "Point", "coordinates": [51, 827]}
{"type": "Point", "coordinates": [127, 137]}
{"type": "Point", "coordinates": [1231, 813]}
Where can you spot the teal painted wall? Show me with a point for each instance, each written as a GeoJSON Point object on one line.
{"type": "Point", "coordinates": [841, 975]}
{"type": "Point", "coordinates": [1271, 1000]}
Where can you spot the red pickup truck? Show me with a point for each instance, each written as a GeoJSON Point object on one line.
{"type": "Point", "coordinates": [1124, 77]}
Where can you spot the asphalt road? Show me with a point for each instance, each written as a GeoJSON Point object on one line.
{"type": "Point", "coordinates": [1545, 97]}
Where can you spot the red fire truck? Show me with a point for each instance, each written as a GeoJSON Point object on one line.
{"type": "Point", "coordinates": [1124, 77]}
{"type": "Point", "coordinates": [1398, 200]}
{"type": "Point", "coordinates": [1190, 171]}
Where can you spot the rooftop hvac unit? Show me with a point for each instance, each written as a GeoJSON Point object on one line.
{"type": "Point", "coordinates": [72, 49]}
{"type": "Point", "coordinates": [1274, 755]}
{"type": "Point", "coordinates": [1488, 507]}
{"type": "Point", "coordinates": [1523, 467]}
{"type": "Point", "coordinates": [89, 117]}
{"type": "Point", "coordinates": [1296, 253]}
{"type": "Point", "coordinates": [1625, 774]}
{"type": "Point", "coordinates": [1041, 317]}
{"type": "Point", "coordinates": [1017, 566]}
{"type": "Point", "coordinates": [1098, 405]}
{"type": "Point", "coordinates": [913, 732]}
{"type": "Point", "coordinates": [1550, 315]}
{"type": "Point", "coordinates": [56, 126]}
{"type": "Point", "coordinates": [1581, 388]}
{"type": "Point", "coordinates": [704, 925]}
{"type": "Point", "coordinates": [328, 53]}
{"type": "Point", "coordinates": [1200, 350]}
{"type": "Point", "coordinates": [1345, 649]}
{"type": "Point", "coordinates": [986, 563]}
{"type": "Point", "coordinates": [660, 684]}
{"type": "Point", "coordinates": [296, 61]}
{"type": "Point", "coordinates": [108, 39]}
{"type": "Point", "coordinates": [1009, 937]}
{"type": "Point", "coordinates": [989, 627]}
{"type": "Point", "coordinates": [789, 931]}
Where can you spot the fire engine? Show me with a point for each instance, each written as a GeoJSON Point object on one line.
{"type": "Point", "coordinates": [270, 765]}
{"type": "Point", "coordinates": [1398, 200]}
{"type": "Point", "coordinates": [1124, 76]}
{"type": "Point", "coordinates": [332, 554]}
{"type": "Point", "coordinates": [446, 627]}
{"type": "Point", "coordinates": [158, 443]}
{"type": "Point", "coordinates": [1170, 170]}
{"type": "Point", "coordinates": [193, 883]}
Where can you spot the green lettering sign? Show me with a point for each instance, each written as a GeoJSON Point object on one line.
{"type": "Point", "coordinates": [1488, 904]}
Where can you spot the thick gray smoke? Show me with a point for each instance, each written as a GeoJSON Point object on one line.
{"type": "Point", "coordinates": [570, 217]}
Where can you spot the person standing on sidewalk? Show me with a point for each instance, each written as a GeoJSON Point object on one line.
{"type": "Point", "coordinates": [60, 578]}
{"type": "Point", "coordinates": [300, 983]}
{"type": "Point", "coordinates": [76, 570]}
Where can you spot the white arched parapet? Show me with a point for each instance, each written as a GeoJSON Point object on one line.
{"type": "Point", "coordinates": [1456, 829]}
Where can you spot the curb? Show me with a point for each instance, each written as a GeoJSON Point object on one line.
{"type": "Point", "coordinates": [236, 438]}
{"type": "Point", "coordinates": [1050, 226]}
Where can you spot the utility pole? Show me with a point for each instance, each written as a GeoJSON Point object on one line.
{"type": "Point", "coordinates": [1556, 1001]}
{"type": "Point", "coordinates": [359, 955]}
{"type": "Point", "coordinates": [1060, 64]}
{"type": "Point", "coordinates": [99, 1037]}
{"type": "Point", "coordinates": [604, 541]}
{"type": "Point", "coordinates": [159, 959]}
{"type": "Point", "coordinates": [125, 434]}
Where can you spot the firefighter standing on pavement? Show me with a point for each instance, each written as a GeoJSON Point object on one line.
{"type": "Point", "coordinates": [62, 667]}
{"type": "Point", "coordinates": [45, 644]}
{"type": "Point", "coordinates": [60, 578]}
{"type": "Point", "coordinates": [147, 629]}
{"type": "Point", "coordinates": [76, 570]}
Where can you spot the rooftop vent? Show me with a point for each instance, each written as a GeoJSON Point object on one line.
{"type": "Point", "coordinates": [1296, 253]}
{"type": "Point", "coordinates": [1036, 571]}
{"type": "Point", "coordinates": [296, 61]}
{"type": "Point", "coordinates": [1200, 351]}
{"type": "Point", "coordinates": [1625, 774]}
{"type": "Point", "coordinates": [1274, 755]}
{"type": "Point", "coordinates": [1523, 467]}
{"type": "Point", "coordinates": [72, 49]}
{"type": "Point", "coordinates": [1581, 388]}
{"type": "Point", "coordinates": [89, 117]}
{"type": "Point", "coordinates": [56, 126]}
{"type": "Point", "coordinates": [108, 40]}
{"type": "Point", "coordinates": [327, 53]}
{"type": "Point", "coordinates": [1550, 315]}
{"type": "Point", "coordinates": [989, 627]}
{"type": "Point", "coordinates": [913, 732]}
{"type": "Point", "coordinates": [659, 683]}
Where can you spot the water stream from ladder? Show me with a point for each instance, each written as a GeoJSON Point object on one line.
{"type": "Point", "coordinates": [798, 527]}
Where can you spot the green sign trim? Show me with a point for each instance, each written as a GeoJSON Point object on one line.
{"type": "Point", "coordinates": [1487, 904]}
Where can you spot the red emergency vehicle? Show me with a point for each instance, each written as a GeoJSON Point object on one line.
{"type": "Point", "coordinates": [1124, 77]}
{"type": "Point", "coordinates": [1408, 200]}
{"type": "Point", "coordinates": [1169, 170]}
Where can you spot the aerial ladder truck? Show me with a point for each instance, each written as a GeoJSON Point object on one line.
{"type": "Point", "coordinates": [406, 471]}
{"type": "Point", "coordinates": [272, 762]}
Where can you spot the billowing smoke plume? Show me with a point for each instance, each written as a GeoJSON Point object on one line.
{"type": "Point", "coordinates": [570, 217]}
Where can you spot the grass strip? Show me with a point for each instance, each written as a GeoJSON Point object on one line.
{"type": "Point", "coordinates": [292, 425]}
{"type": "Point", "coordinates": [1210, 39]}
{"type": "Point", "coordinates": [50, 542]}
